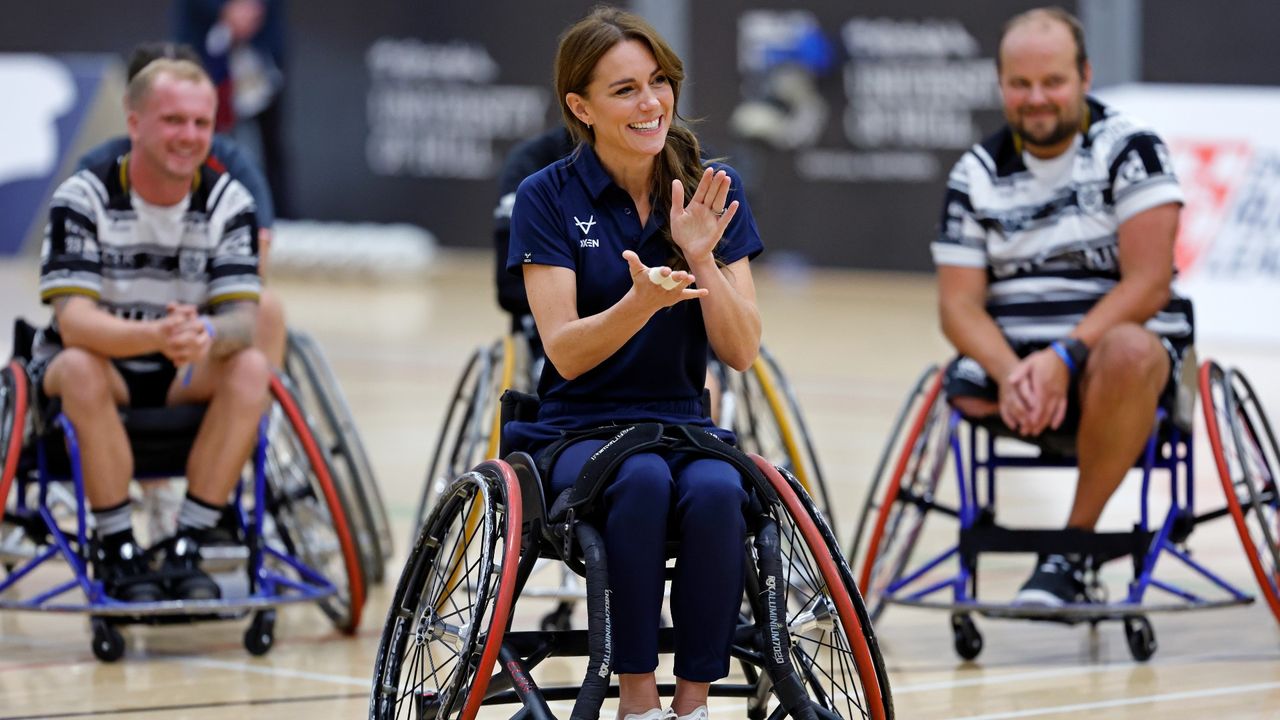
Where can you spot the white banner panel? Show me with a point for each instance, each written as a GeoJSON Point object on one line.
{"type": "Point", "coordinates": [1226, 152]}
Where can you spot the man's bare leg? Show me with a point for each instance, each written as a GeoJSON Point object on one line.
{"type": "Point", "coordinates": [91, 389]}
{"type": "Point", "coordinates": [1121, 385]}
{"type": "Point", "coordinates": [236, 389]}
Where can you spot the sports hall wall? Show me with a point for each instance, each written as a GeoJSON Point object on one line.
{"type": "Point", "coordinates": [843, 118]}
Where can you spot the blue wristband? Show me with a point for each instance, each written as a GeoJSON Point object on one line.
{"type": "Point", "coordinates": [1061, 350]}
{"type": "Point", "coordinates": [208, 326]}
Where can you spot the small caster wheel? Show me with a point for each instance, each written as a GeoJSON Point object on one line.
{"type": "Point", "coordinates": [261, 634]}
{"type": "Point", "coordinates": [557, 619]}
{"type": "Point", "coordinates": [108, 643]}
{"type": "Point", "coordinates": [968, 640]}
{"type": "Point", "coordinates": [1141, 638]}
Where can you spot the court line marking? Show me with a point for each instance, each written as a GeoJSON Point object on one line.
{"type": "Point", "coordinates": [1121, 702]}
{"type": "Point", "coordinates": [187, 706]}
{"type": "Point", "coordinates": [984, 681]}
{"type": "Point", "coordinates": [1015, 677]}
{"type": "Point", "coordinates": [278, 672]}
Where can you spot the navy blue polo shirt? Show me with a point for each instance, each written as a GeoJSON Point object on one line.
{"type": "Point", "coordinates": [571, 214]}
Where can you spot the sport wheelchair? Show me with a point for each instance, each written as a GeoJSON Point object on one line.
{"type": "Point", "coordinates": [758, 405]}
{"type": "Point", "coordinates": [296, 545]}
{"type": "Point", "coordinates": [804, 643]}
{"type": "Point", "coordinates": [902, 564]}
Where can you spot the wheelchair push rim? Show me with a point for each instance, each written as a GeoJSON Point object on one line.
{"type": "Point", "coordinates": [461, 615]}
{"type": "Point", "coordinates": [1247, 458]}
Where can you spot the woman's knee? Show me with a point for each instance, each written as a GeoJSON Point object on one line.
{"type": "Point", "coordinates": [712, 486]}
{"type": "Point", "coordinates": [643, 475]}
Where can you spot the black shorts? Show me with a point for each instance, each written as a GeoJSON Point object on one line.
{"type": "Point", "coordinates": [147, 377]}
{"type": "Point", "coordinates": [964, 377]}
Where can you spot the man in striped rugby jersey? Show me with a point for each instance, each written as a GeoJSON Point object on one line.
{"type": "Point", "coordinates": [1055, 260]}
{"type": "Point", "coordinates": [150, 261]}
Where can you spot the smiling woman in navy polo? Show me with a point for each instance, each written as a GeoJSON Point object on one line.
{"type": "Point", "coordinates": [586, 232]}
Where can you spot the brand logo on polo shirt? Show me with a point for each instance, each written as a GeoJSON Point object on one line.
{"type": "Point", "coordinates": [585, 227]}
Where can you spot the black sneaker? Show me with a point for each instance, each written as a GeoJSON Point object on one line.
{"type": "Point", "coordinates": [181, 570]}
{"type": "Point", "coordinates": [125, 574]}
{"type": "Point", "coordinates": [1058, 580]}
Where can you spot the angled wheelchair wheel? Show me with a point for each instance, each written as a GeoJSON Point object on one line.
{"type": "Point", "coordinates": [833, 646]}
{"type": "Point", "coordinates": [899, 497]}
{"type": "Point", "coordinates": [1248, 460]}
{"type": "Point", "coordinates": [469, 432]}
{"type": "Point", "coordinates": [765, 414]}
{"type": "Point", "coordinates": [14, 392]}
{"type": "Point", "coordinates": [328, 413]}
{"type": "Point", "coordinates": [453, 601]}
{"type": "Point", "coordinates": [307, 517]}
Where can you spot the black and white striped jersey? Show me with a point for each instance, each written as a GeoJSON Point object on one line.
{"type": "Point", "coordinates": [1046, 231]}
{"type": "Point", "coordinates": [106, 243]}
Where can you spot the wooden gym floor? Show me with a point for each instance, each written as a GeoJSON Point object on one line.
{"type": "Point", "coordinates": [851, 344]}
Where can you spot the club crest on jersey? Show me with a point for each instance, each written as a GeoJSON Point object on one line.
{"type": "Point", "coordinates": [191, 264]}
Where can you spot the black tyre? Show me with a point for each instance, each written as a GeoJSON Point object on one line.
{"type": "Point", "coordinates": [965, 636]}
{"type": "Point", "coordinates": [108, 643]}
{"type": "Point", "coordinates": [1140, 637]}
{"type": "Point", "coordinates": [261, 635]}
{"type": "Point", "coordinates": [452, 603]}
{"type": "Point", "coordinates": [330, 417]}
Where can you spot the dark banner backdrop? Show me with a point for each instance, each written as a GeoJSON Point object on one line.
{"type": "Point", "coordinates": [403, 111]}
{"type": "Point", "coordinates": [845, 118]}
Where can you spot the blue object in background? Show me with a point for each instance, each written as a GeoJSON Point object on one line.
{"type": "Point", "coordinates": [57, 92]}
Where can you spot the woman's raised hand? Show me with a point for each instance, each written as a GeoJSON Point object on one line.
{"type": "Point", "coordinates": [664, 288]}
{"type": "Point", "coordinates": [697, 227]}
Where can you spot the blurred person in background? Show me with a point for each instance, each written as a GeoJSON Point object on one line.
{"type": "Point", "coordinates": [242, 46]}
{"type": "Point", "coordinates": [1055, 260]}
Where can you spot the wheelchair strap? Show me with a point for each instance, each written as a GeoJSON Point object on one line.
{"type": "Point", "coordinates": [625, 441]}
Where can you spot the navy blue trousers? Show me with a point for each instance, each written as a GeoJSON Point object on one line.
{"type": "Point", "coordinates": [704, 500]}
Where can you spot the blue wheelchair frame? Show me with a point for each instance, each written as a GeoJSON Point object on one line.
{"type": "Point", "coordinates": [1169, 449]}
{"type": "Point", "coordinates": [268, 588]}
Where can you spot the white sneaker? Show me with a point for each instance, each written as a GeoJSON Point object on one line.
{"type": "Point", "coordinates": [654, 714]}
{"type": "Point", "coordinates": [699, 713]}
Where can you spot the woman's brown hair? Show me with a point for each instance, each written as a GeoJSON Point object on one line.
{"type": "Point", "coordinates": [581, 47]}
